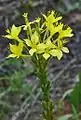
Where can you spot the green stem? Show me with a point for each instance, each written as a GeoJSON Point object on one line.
{"type": "Point", "coordinates": [75, 114]}
{"type": "Point", "coordinates": [47, 103]}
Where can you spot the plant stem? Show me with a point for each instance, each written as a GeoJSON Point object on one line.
{"type": "Point", "coordinates": [47, 103]}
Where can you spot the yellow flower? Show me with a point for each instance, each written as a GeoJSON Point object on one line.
{"type": "Point", "coordinates": [49, 44]}
{"type": "Point", "coordinates": [54, 26]}
{"type": "Point", "coordinates": [55, 29]}
{"type": "Point", "coordinates": [40, 48]}
{"type": "Point", "coordinates": [34, 44]}
{"type": "Point", "coordinates": [14, 33]}
{"type": "Point", "coordinates": [51, 19]}
{"type": "Point", "coordinates": [28, 23]}
{"type": "Point", "coordinates": [58, 52]}
{"type": "Point", "coordinates": [65, 33]}
{"type": "Point", "coordinates": [49, 47]}
{"type": "Point", "coordinates": [16, 50]}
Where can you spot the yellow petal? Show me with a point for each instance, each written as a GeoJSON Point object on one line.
{"type": "Point", "coordinates": [46, 55]}
{"type": "Point", "coordinates": [17, 49]}
{"type": "Point", "coordinates": [11, 56]}
{"type": "Point", "coordinates": [25, 27]}
{"type": "Point", "coordinates": [65, 49]}
{"type": "Point", "coordinates": [35, 38]}
{"type": "Point", "coordinates": [13, 48]}
{"type": "Point", "coordinates": [15, 31]}
{"type": "Point", "coordinates": [51, 17]}
{"type": "Point", "coordinates": [37, 20]}
{"type": "Point", "coordinates": [49, 44]}
{"type": "Point", "coordinates": [7, 36]}
{"type": "Point", "coordinates": [40, 48]}
{"type": "Point", "coordinates": [60, 43]}
{"type": "Point", "coordinates": [56, 28]}
{"type": "Point", "coordinates": [28, 42]}
{"type": "Point", "coordinates": [66, 33]}
{"type": "Point", "coordinates": [8, 31]}
{"type": "Point", "coordinates": [56, 53]}
{"type": "Point", "coordinates": [44, 16]}
{"type": "Point", "coordinates": [20, 48]}
{"type": "Point", "coordinates": [50, 27]}
{"type": "Point", "coordinates": [58, 18]}
{"type": "Point", "coordinates": [13, 34]}
{"type": "Point", "coordinates": [32, 51]}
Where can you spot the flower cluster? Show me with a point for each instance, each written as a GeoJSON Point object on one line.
{"type": "Point", "coordinates": [45, 36]}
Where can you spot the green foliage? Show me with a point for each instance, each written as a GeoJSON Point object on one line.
{"type": "Point", "coordinates": [62, 6]}
{"type": "Point", "coordinates": [71, 5]}
{"type": "Point", "coordinates": [17, 83]}
{"type": "Point", "coordinates": [17, 77]}
{"type": "Point", "coordinates": [65, 117]}
{"type": "Point", "coordinates": [74, 98]}
{"type": "Point", "coordinates": [76, 94]}
{"type": "Point", "coordinates": [75, 114]}
{"type": "Point", "coordinates": [13, 73]}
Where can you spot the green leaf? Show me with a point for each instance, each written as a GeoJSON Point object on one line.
{"type": "Point", "coordinates": [65, 117]}
{"type": "Point", "coordinates": [76, 94]}
{"type": "Point", "coordinates": [75, 114]}
{"type": "Point", "coordinates": [26, 88]}
{"type": "Point", "coordinates": [67, 93]}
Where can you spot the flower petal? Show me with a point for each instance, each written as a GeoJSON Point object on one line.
{"type": "Point", "coordinates": [65, 49]}
{"type": "Point", "coordinates": [32, 51]}
{"type": "Point", "coordinates": [16, 49]}
{"type": "Point", "coordinates": [7, 36]}
{"type": "Point", "coordinates": [46, 55]}
{"type": "Point", "coordinates": [35, 38]}
{"type": "Point", "coordinates": [49, 44]}
{"type": "Point", "coordinates": [28, 42]}
{"type": "Point", "coordinates": [56, 53]}
{"type": "Point", "coordinates": [11, 56]}
{"type": "Point", "coordinates": [15, 31]}
{"type": "Point", "coordinates": [65, 33]}
{"type": "Point", "coordinates": [40, 48]}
